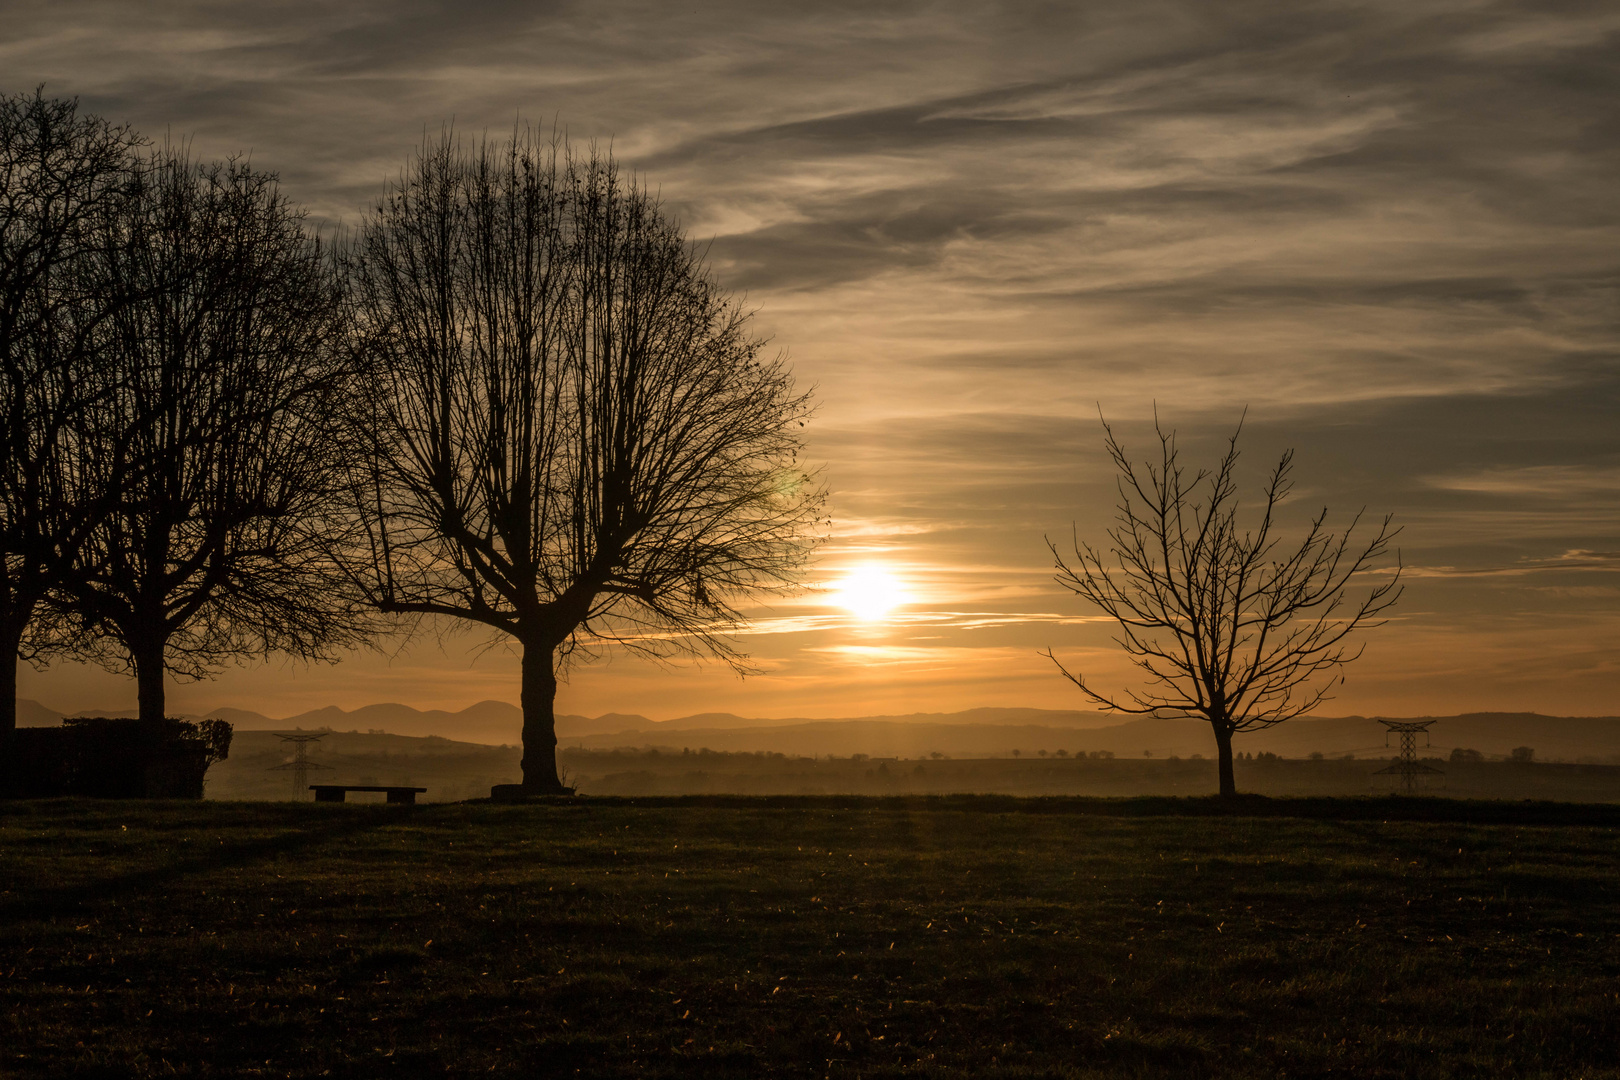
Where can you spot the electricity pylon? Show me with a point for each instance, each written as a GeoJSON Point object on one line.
{"type": "Point", "coordinates": [1407, 767]}
{"type": "Point", "coordinates": [301, 764]}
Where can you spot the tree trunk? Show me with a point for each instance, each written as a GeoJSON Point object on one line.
{"type": "Point", "coordinates": [147, 653]}
{"type": "Point", "coordinates": [539, 721]}
{"type": "Point", "coordinates": [10, 639]}
{"type": "Point", "coordinates": [1223, 753]}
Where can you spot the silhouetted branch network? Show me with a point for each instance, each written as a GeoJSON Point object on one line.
{"type": "Point", "coordinates": [216, 446]}
{"type": "Point", "coordinates": [573, 438]}
{"type": "Point", "coordinates": [60, 172]}
{"type": "Point", "coordinates": [1229, 624]}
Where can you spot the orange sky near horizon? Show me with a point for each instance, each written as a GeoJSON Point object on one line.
{"type": "Point", "coordinates": [1387, 231]}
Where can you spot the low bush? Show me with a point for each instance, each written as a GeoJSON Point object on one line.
{"type": "Point", "coordinates": [113, 758]}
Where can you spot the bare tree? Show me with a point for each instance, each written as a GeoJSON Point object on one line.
{"type": "Point", "coordinates": [218, 441]}
{"type": "Point", "coordinates": [1228, 623]}
{"type": "Point", "coordinates": [59, 172]}
{"type": "Point", "coordinates": [577, 442]}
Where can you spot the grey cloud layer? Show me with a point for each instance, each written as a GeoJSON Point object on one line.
{"type": "Point", "coordinates": [1391, 229]}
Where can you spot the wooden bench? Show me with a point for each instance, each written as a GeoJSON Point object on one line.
{"type": "Point", "coordinates": [335, 792]}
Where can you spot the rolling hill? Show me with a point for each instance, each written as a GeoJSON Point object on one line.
{"type": "Point", "coordinates": [984, 732]}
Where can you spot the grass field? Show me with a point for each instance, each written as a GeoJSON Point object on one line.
{"type": "Point", "coordinates": [829, 938]}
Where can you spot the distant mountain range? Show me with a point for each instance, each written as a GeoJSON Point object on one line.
{"type": "Point", "coordinates": [971, 733]}
{"type": "Point", "coordinates": [493, 722]}
{"type": "Point", "coordinates": [498, 722]}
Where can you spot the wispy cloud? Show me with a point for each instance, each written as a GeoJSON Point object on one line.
{"type": "Point", "coordinates": [1387, 228]}
{"type": "Point", "coordinates": [1549, 482]}
{"type": "Point", "coordinates": [899, 621]}
{"type": "Point", "coordinates": [1574, 559]}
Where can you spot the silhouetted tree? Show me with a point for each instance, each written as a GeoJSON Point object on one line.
{"type": "Point", "coordinates": [1229, 624]}
{"type": "Point", "coordinates": [577, 443]}
{"type": "Point", "coordinates": [59, 172]}
{"type": "Point", "coordinates": [218, 440]}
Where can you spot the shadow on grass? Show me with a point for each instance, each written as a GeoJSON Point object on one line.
{"type": "Point", "coordinates": [1377, 808]}
{"type": "Point", "coordinates": [812, 936]}
{"type": "Point", "coordinates": [309, 829]}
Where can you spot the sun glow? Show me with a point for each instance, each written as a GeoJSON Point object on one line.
{"type": "Point", "coordinates": [870, 593]}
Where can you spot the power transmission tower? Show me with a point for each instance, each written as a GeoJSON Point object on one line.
{"type": "Point", "coordinates": [1407, 768]}
{"type": "Point", "coordinates": [301, 764]}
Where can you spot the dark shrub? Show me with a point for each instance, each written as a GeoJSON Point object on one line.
{"type": "Point", "coordinates": [109, 758]}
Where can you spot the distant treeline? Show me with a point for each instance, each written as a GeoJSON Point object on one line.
{"type": "Point", "coordinates": [453, 770]}
{"type": "Point", "coordinates": [665, 772]}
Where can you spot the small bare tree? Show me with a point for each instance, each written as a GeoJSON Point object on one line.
{"type": "Point", "coordinates": [217, 441]}
{"type": "Point", "coordinates": [1228, 623]}
{"type": "Point", "coordinates": [60, 171]}
{"type": "Point", "coordinates": [576, 442]}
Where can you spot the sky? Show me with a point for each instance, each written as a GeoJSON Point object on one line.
{"type": "Point", "coordinates": [1386, 235]}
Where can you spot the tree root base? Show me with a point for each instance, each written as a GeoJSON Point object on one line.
{"type": "Point", "coordinates": [527, 792]}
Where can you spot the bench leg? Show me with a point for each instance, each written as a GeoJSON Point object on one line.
{"type": "Point", "coordinates": [406, 797]}
{"type": "Point", "coordinates": [329, 796]}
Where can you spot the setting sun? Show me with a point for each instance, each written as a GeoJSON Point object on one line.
{"type": "Point", "coordinates": [870, 593]}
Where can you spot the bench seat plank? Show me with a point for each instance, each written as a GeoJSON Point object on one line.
{"type": "Point", "coordinates": [336, 792]}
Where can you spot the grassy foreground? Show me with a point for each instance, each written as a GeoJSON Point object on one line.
{"type": "Point", "coordinates": [802, 938]}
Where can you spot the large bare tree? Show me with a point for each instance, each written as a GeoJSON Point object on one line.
{"type": "Point", "coordinates": [218, 442]}
{"type": "Point", "coordinates": [60, 172]}
{"type": "Point", "coordinates": [1229, 623]}
{"type": "Point", "coordinates": [577, 441]}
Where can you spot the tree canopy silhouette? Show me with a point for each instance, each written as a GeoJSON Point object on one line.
{"type": "Point", "coordinates": [217, 439]}
{"type": "Point", "coordinates": [61, 171]}
{"type": "Point", "coordinates": [1228, 623]}
{"type": "Point", "coordinates": [575, 440]}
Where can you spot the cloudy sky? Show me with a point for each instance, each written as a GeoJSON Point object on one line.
{"type": "Point", "coordinates": [1390, 231]}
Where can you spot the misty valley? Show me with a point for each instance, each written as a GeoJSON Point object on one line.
{"type": "Point", "coordinates": [453, 770]}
